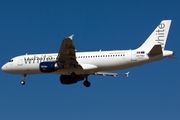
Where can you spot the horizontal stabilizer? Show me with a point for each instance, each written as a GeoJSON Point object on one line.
{"type": "Point", "coordinates": [156, 50]}
{"type": "Point", "coordinates": [111, 74]}
{"type": "Point", "coordinates": [106, 74]}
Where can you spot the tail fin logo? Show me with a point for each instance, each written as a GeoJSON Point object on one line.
{"type": "Point", "coordinates": [140, 52]}
{"type": "Point", "coordinates": [160, 34]}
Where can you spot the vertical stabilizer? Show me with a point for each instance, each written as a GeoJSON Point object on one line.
{"type": "Point", "coordinates": [158, 36]}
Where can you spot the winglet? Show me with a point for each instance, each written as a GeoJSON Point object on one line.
{"type": "Point", "coordinates": [71, 37]}
{"type": "Point", "coordinates": [124, 74]}
{"type": "Point", "coordinates": [127, 74]}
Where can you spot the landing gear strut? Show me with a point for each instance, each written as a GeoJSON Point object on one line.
{"type": "Point", "coordinates": [73, 74]}
{"type": "Point", "coordinates": [23, 79]}
{"type": "Point", "coordinates": [87, 83]}
{"type": "Point", "coordinates": [76, 77]}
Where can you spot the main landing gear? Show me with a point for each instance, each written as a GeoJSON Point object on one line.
{"type": "Point", "coordinates": [87, 83]}
{"type": "Point", "coordinates": [73, 75]}
{"type": "Point", "coordinates": [23, 79]}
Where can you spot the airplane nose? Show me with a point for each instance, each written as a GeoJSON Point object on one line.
{"type": "Point", "coordinates": [4, 68]}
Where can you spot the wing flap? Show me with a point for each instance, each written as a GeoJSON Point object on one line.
{"type": "Point", "coordinates": [88, 67]}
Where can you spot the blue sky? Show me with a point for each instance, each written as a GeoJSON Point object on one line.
{"type": "Point", "coordinates": [39, 26]}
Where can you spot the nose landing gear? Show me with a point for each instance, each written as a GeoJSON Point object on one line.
{"type": "Point", "coordinates": [23, 79]}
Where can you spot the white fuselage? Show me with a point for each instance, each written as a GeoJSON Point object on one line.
{"type": "Point", "coordinates": [91, 62]}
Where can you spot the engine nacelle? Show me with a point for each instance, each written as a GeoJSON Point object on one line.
{"type": "Point", "coordinates": [67, 79]}
{"type": "Point", "coordinates": [48, 67]}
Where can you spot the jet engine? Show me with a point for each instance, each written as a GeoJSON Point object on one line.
{"type": "Point", "coordinates": [68, 79]}
{"type": "Point", "coordinates": [47, 67]}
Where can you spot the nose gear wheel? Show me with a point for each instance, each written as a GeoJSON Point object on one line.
{"type": "Point", "coordinates": [23, 79]}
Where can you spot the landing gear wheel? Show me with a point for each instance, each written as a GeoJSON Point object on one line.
{"type": "Point", "coordinates": [23, 79]}
{"type": "Point", "coordinates": [87, 83]}
{"type": "Point", "coordinates": [22, 82]}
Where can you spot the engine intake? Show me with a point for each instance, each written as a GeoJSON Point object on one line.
{"type": "Point", "coordinates": [48, 67]}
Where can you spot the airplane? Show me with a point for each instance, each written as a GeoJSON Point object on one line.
{"type": "Point", "coordinates": [75, 66]}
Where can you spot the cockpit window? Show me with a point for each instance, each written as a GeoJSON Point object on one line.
{"type": "Point", "coordinates": [11, 60]}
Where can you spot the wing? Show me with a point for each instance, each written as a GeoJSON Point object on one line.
{"type": "Point", "coordinates": [67, 55]}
